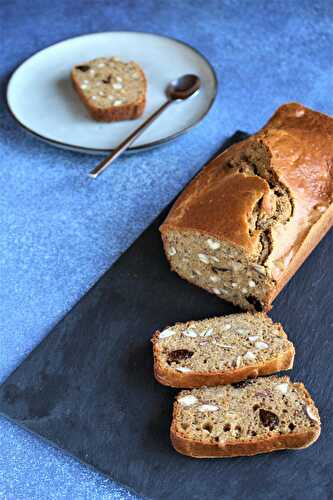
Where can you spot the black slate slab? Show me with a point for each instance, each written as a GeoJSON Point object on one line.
{"type": "Point", "coordinates": [88, 387]}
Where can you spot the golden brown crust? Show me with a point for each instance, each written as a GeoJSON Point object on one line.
{"type": "Point", "coordinates": [218, 204]}
{"type": "Point", "coordinates": [196, 449]}
{"type": "Point", "coordinates": [172, 378]}
{"type": "Point", "coordinates": [200, 449]}
{"type": "Point", "coordinates": [113, 113]}
{"type": "Point", "coordinates": [314, 236]}
{"type": "Point", "coordinates": [300, 144]}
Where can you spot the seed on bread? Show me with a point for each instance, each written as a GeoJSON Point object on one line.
{"type": "Point", "coordinates": [312, 414]}
{"type": "Point", "coordinates": [207, 333]}
{"type": "Point", "coordinates": [249, 356]}
{"type": "Point", "coordinates": [190, 333]}
{"type": "Point", "coordinates": [203, 258]}
{"type": "Point", "coordinates": [261, 345]}
{"type": "Point", "coordinates": [188, 400]}
{"type": "Point", "coordinates": [283, 388]}
{"type": "Point", "coordinates": [213, 244]}
{"type": "Point", "coordinates": [208, 407]}
{"type": "Point", "coordinates": [167, 333]}
{"type": "Point", "coordinates": [183, 369]}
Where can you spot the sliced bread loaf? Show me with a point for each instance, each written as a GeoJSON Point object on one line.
{"type": "Point", "coordinates": [220, 350]}
{"type": "Point", "coordinates": [247, 418]}
{"type": "Point", "coordinates": [111, 89]}
{"type": "Point", "coordinates": [247, 222]}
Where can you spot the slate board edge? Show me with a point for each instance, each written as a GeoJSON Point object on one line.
{"type": "Point", "coordinates": [66, 452]}
{"type": "Point", "coordinates": [236, 137]}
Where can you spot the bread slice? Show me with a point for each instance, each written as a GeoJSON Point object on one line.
{"type": "Point", "coordinates": [220, 350]}
{"type": "Point", "coordinates": [249, 219]}
{"type": "Point", "coordinates": [111, 89]}
{"type": "Point", "coordinates": [247, 418]}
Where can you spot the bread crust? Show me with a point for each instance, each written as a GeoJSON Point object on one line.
{"type": "Point", "coordinates": [200, 449]}
{"type": "Point", "coordinates": [199, 379]}
{"type": "Point", "coordinates": [196, 449]}
{"type": "Point", "coordinates": [313, 238]}
{"type": "Point", "coordinates": [113, 113]}
{"type": "Point", "coordinates": [171, 378]}
{"type": "Point", "coordinates": [300, 143]}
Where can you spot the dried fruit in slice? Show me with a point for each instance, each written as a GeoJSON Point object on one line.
{"type": "Point", "coordinates": [179, 355]}
{"type": "Point", "coordinates": [268, 419]}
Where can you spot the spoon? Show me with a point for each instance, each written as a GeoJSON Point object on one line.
{"type": "Point", "coordinates": [177, 90]}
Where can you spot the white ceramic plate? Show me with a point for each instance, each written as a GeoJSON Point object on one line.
{"type": "Point", "coordinates": [41, 98]}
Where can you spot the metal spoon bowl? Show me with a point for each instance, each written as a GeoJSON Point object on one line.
{"type": "Point", "coordinates": [184, 87]}
{"type": "Point", "coordinates": [181, 89]}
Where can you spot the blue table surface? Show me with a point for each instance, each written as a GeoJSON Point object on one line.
{"type": "Point", "coordinates": [60, 231]}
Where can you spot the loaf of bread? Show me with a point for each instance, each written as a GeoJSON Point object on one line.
{"type": "Point", "coordinates": [220, 350]}
{"type": "Point", "coordinates": [248, 221]}
{"type": "Point", "coordinates": [246, 418]}
{"type": "Point", "coordinates": [111, 89]}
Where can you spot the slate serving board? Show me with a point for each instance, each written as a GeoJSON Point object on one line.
{"type": "Point", "coordinates": [88, 387]}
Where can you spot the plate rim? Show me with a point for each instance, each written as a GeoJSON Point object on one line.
{"type": "Point", "coordinates": [134, 149]}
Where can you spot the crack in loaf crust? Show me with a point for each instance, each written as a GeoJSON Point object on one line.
{"type": "Point", "coordinates": [249, 219]}
{"type": "Point", "coordinates": [259, 416]}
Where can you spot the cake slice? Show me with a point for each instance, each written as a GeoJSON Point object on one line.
{"type": "Point", "coordinates": [220, 350]}
{"type": "Point", "coordinates": [111, 89]}
{"type": "Point", "coordinates": [246, 418]}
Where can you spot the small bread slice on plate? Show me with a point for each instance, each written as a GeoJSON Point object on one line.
{"type": "Point", "coordinates": [110, 89]}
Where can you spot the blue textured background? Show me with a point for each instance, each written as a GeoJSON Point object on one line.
{"type": "Point", "coordinates": [59, 231]}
